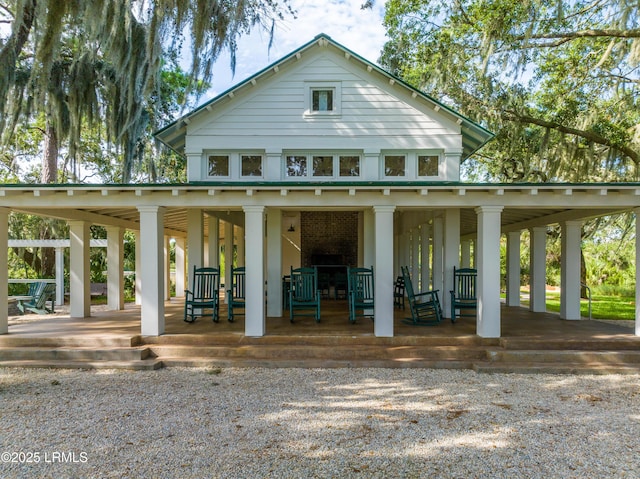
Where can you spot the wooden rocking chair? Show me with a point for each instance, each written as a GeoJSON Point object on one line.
{"type": "Point", "coordinates": [204, 294]}
{"type": "Point", "coordinates": [360, 292]}
{"type": "Point", "coordinates": [236, 295]}
{"type": "Point", "coordinates": [425, 307]}
{"type": "Point", "coordinates": [304, 294]}
{"type": "Point", "coordinates": [463, 294]}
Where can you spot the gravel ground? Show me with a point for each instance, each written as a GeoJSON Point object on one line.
{"type": "Point", "coordinates": [307, 423]}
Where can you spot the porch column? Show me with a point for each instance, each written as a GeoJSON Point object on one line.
{"type": "Point", "coordinates": [4, 270]}
{"type": "Point", "coordinates": [255, 324]}
{"type": "Point", "coordinates": [383, 272]}
{"type": "Point", "coordinates": [195, 241]}
{"type": "Point", "coordinates": [637, 215]}
{"type": "Point", "coordinates": [167, 267]}
{"type": "Point", "coordinates": [451, 255]}
{"type": "Point", "coordinates": [138, 272]}
{"type": "Point", "coordinates": [438, 235]}
{"type": "Point", "coordinates": [465, 254]}
{"type": "Point", "coordinates": [513, 268]}
{"type": "Point", "coordinates": [274, 262]}
{"type": "Point", "coordinates": [488, 265]}
{"type": "Point", "coordinates": [180, 267]}
{"type": "Point", "coordinates": [538, 269]}
{"type": "Point", "coordinates": [369, 238]}
{"type": "Point", "coordinates": [214, 242]}
{"type": "Point", "coordinates": [228, 254]}
{"type": "Point", "coordinates": [425, 273]}
{"type": "Point", "coordinates": [80, 273]}
{"type": "Point", "coordinates": [415, 254]}
{"type": "Point", "coordinates": [115, 268]}
{"type": "Point", "coordinates": [570, 269]}
{"type": "Point", "coordinates": [59, 275]}
{"type": "Point", "coordinates": [151, 274]}
{"type": "Point", "coordinates": [240, 258]}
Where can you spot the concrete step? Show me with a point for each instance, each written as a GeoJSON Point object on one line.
{"type": "Point", "coordinates": [591, 344]}
{"type": "Point", "coordinates": [551, 368]}
{"type": "Point", "coordinates": [12, 341]}
{"type": "Point", "coordinates": [138, 365]}
{"type": "Point", "coordinates": [73, 354]}
{"type": "Point", "coordinates": [565, 356]}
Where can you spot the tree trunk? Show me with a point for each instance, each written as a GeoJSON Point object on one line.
{"type": "Point", "coordinates": [50, 157]}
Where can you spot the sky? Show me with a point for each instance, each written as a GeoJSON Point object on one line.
{"type": "Point", "coordinates": [343, 20]}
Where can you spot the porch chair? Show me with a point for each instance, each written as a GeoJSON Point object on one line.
{"type": "Point", "coordinates": [360, 292]}
{"type": "Point", "coordinates": [341, 286]}
{"type": "Point", "coordinates": [204, 294]}
{"type": "Point", "coordinates": [40, 293]}
{"type": "Point", "coordinates": [425, 307]}
{"type": "Point", "coordinates": [463, 294]}
{"type": "Point", "coordinates": [398, 293]}
{"type": "Point", "coordinates": [236, 295]}
{"type": "Point", "coordinates": [304, 296]}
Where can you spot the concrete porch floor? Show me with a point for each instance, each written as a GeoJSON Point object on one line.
{"type": "Point", "coordinates": [516, 322]}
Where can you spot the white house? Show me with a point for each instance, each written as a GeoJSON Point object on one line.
{"type": "Point", "coordinates": [324, 157]}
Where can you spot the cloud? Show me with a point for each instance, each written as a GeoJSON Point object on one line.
{"type": "Point", "coordinates": [343, 20]}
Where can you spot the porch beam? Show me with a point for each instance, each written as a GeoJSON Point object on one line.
{"type": "Point", "coordinates": [488, 258]}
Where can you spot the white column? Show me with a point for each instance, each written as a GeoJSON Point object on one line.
{"type": "Point", "coordinates": [115, 268]}
{"type": "Point", "coordinates": [4, 270]}
{"type": "Point", "coordinates": [167, 267]}
{"type": "Point", "coordinates": [488, 261]}
{"type": "Point", "coordinates": [79, 266]}
{"type": "Point", "coordinates": [383, 271]}
{"type": "Point", "coordinates": [180, 267]}
{"type": "Point", "coordinates": [255, 324]}
{"type": "Point", "coordinates": [465, 254]}
{"type": "Point", "coordinates": [538, 269]}
{"type": "Point", "coordinates": [369, 232]}
{"type": "Point", "coordinates": [214, 242]}
{"type": "Point", "coordinates": [405, 251]}
{"type": "Point", "coordinates": [513, 268]}
{"type": "Point", "coordinates": [228, 254]}
{"type": "Point", "coordinates": [425, 273]}
{"type": "Point", "coordinates": [570, 269]}
{"type": "Point", "coordinates": [152, 276]}
{"type": "Point", "coordinates": [438, 255]}
{"type": "Point", "coordinates": [415, 254]}
{"type": "Point", "coordinates": [274, 262]}
{"type": "Point", "coordinates": [59, 275]}
{"type": "Point", "coordinates": [195, 241]}
{"type": "Point", "coordinates": [138, 272]}
{"type": "Point", "coordinates": [240, 245]}
{"type": "Point", "coordinates": [451, 255]}
{"type": "Point", "coordinates": [637, 214]}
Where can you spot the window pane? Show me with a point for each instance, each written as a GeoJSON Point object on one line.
{"type": "Point", "coordinates": [296, 166]}
{"type": "Point", "coordinates": [428, 165]}
{"type": "Point", "coordinates": [394, 165]}
{"type": "Point", "coordinates": [219, 165]}
{"type": "Point", "coordinates": [322, 100]}
{"type": "Point", "coordinates": [349, 166]}
{"type": "Point", "coordinates": [251, 165]}
{"type": "Point", "coordinates": [323, 166]}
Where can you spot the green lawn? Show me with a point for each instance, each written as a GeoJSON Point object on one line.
{"type": "Point", "coordinates": [602, 307]}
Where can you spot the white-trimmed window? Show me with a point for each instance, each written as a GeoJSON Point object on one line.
{"type": "Point", "coordinates": [218, 165]}
{"type": "Point", "coordinates": [428, 165]}
{"type": "Point", "coordinates": [323, 99]}
{"type": "Point", "coordinates": [395, 165]}
{"type": "Point", "coordinates": [251, 165]}
{"type": "Point", "coordinates": [324, 165]}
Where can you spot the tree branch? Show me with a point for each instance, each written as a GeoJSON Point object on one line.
{"type": "Point", "coordinates": [587, 135]}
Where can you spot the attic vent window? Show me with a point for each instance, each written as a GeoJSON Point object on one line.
{"type": "Point", "coordinates": [322, 100]}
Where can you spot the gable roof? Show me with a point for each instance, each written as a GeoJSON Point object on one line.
{"type": "Point", "coordinates": [173, 135]}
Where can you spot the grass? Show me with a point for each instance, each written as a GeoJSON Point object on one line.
{"type": "Point", "coordinates": [602, 306]}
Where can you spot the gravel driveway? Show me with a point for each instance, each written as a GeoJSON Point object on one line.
{"type": "Point", "coordinates": [306, 423]}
